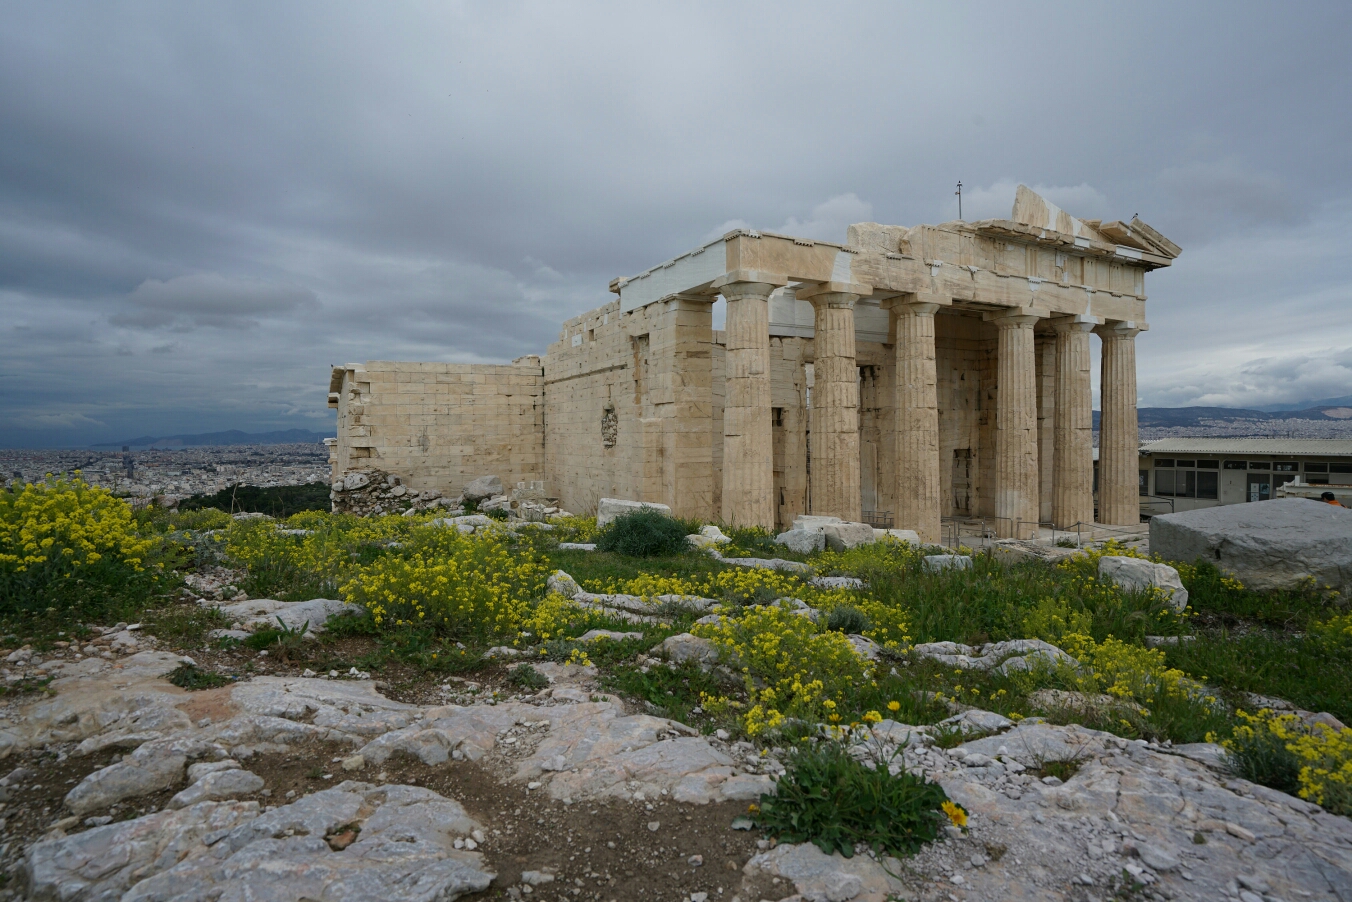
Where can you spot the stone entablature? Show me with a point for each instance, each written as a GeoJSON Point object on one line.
{"type": "Point", "coordinates": [930, 372]}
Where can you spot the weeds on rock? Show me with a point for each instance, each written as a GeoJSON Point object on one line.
{"type": "Point", "coordinates": [829, 798]}
{"type": "Point", "coordinates": [284, 641]}
{"type": "Point", "coordinates": [677, 693]}
{"type": "Point", "coordinates": [645, 532]}
{"type": "Point", "coordinates": [188, 676]}
{"type": "Point", "coordinates": [526, 677]}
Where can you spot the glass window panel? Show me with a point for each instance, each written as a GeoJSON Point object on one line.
{"type": "Point", "coordinates": [1235, 465]}
{"type": "Point", "coordinates": [1286, 466]}
{"type": "Point", "coordinates": [1316, 468]}
{"type": "Point", "coordinates": [1186, 486]}
{"type": "Point", "coordinates": [1340, 468]}
{"type": "Point", "coordinates": [1207, 484]}
{"type": "Point", "coordinates": [1259, 465]}
{"type": "Point", "coordinates": [1208, 464]}
{"type": "Point", "coordinates": [1144, 482]}
{"type": "Point", "coordinates": [1185, 463]}
{"type": "Point", "coordinates": [1164, 462]}
{"type": "Point", "coordinates": [1164, 482]}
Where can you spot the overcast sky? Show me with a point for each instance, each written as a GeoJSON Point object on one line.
{"type": "Point", "coordinates": [203, 206]}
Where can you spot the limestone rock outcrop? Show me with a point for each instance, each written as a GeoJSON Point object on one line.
{"type": "Point", "coordinates": [1135, 574]}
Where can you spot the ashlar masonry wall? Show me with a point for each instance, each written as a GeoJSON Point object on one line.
{"type": "Point", "coordinates": [630, 411]}
{"type": "Point", "coordinates": [440, 425]}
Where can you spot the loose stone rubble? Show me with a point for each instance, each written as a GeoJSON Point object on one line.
{"type": "Point", "coordinates": [370, 491]}
{"type": "Point", "coordinates": [1000, 657]}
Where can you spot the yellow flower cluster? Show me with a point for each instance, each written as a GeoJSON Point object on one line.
{"type": "Point", "coordinates": [1324, 753]}
{"type": "Point", "coordinates": [464, 585]}
{"type": "Point", "coordinates": [1127, 671]}
{"type": "Point", "coordinates": [956, 815]}
{"type": "Point", "coordinates": [331, 552]}
{"type": "Point", "coordinates": [1337, 630]}
{"type": "Point", "coordinates": [739, 582]}
{"type": "Point", "coordinates": [554, 617]}
{"type": "Point", "coordinates": [1051, 619]}
{"type": "Point", "coordinates": [66, 524]}
{"type": "Point", "coordinates": [791, 667]}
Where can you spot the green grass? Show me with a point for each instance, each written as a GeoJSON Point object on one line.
{"type": "Point", "coordinates": [1304, 670]}
{"type": "Point", "coordinates": [674, 693]}
{"type": "Point", "coordinates": [828, 798]}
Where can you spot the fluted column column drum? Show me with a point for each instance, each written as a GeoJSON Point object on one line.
{"type": "Point", "coordinates": [918, 478]}
{"type": "Point", "coordinates": [1073, 461]}
{"type": "Point", "coordinates": [835, 408]}
{"type": "Point", "coordinates": [1016, 466]}
{"type": "Point", "coordinates": [1119, 445]}
{"type": "Point", "coordinates": [748, 459]}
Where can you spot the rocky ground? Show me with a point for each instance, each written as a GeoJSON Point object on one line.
{"type": "Point", "coordinates": [291, 786]}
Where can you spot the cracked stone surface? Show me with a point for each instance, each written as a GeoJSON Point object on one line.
{"type": "Point", "coordinates": [1169, 817]}
{"type": "Point", "coordinates": [229, 851]}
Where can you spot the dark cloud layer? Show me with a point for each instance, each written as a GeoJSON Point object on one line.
{"type": "Point", "coordinates": [202, 207]}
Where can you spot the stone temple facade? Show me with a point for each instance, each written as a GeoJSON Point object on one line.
{"type": "Point", "coordinates": [906, 376]}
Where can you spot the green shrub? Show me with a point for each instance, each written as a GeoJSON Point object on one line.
{"type": "Point", "coordinates": [524, 676]}
{"type": "Point", "coordinates": [645, 532]}
{"type": "Point", "coordinates": [828, 798]}
{"type": "Point", "coordinates": [848, 619]}
{"type": "Point", "coordinates": [1257, 751]}
{"type": "Point", "coordinates": [188, 676]}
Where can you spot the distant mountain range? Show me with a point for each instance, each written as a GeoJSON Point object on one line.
{"type": "Point", "coordinates": [229, 437]}
{"type": "Point", "coordinates": [1332, 409]}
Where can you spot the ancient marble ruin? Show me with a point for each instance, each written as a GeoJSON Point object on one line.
{"type": "Point", "coordinates": [905, 376]}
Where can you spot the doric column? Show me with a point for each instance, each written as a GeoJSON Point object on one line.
{"type": "Point", "coordinates": [1119, 448]}
{"type": "Point", "coordinates": [835, 404]}
{"type": "Point", "coordinates": [748, 452]}
{"type": "Point", "coordinates": [1073, 468]}
{"type": "Point", "coordinates": [917, 437]}
{"type": "Point", "coordinates": [1016, 470]}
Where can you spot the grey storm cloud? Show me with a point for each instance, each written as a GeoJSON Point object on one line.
{"type": "Point", "coordinates": [203, 207]}
{"type": "Point", "coordinates": [210, 299]}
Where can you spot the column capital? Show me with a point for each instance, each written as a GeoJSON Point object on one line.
{"type": "Point", "coordinates": [749, 277]}
{"type": "Point", "coordinates": [1017, 321]}
{"type": "Point", "coordinates": [841, 299]}
{"type": "Point", "coordinates": [912, 304]}
{"type": "Point", "coordinates": [1016, 316]}
{"type": "Point", "coordinates": [1117, 329]}
{"type": "Point", "coordinates": [857, 289]}
{"type": "Point", "coordinates": [1077, 323]}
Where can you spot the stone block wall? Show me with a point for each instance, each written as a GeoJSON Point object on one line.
{"type": "Point", "coordinates": [439, 425]}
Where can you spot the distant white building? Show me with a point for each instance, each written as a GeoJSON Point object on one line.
{"type": "Point", "coordinates": [1192, 473]}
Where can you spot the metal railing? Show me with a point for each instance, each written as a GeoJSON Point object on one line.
{"type": "Point", "coordinates": [878, 519]}
{"type": "Point", "coordinates": [954, 529]}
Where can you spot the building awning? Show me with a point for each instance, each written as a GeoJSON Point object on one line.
{"type": "Point", "coordinates": [1252, 447]}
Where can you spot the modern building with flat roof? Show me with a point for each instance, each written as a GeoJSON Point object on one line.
{"type": "Point", "coordinates": [1192, 473]}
